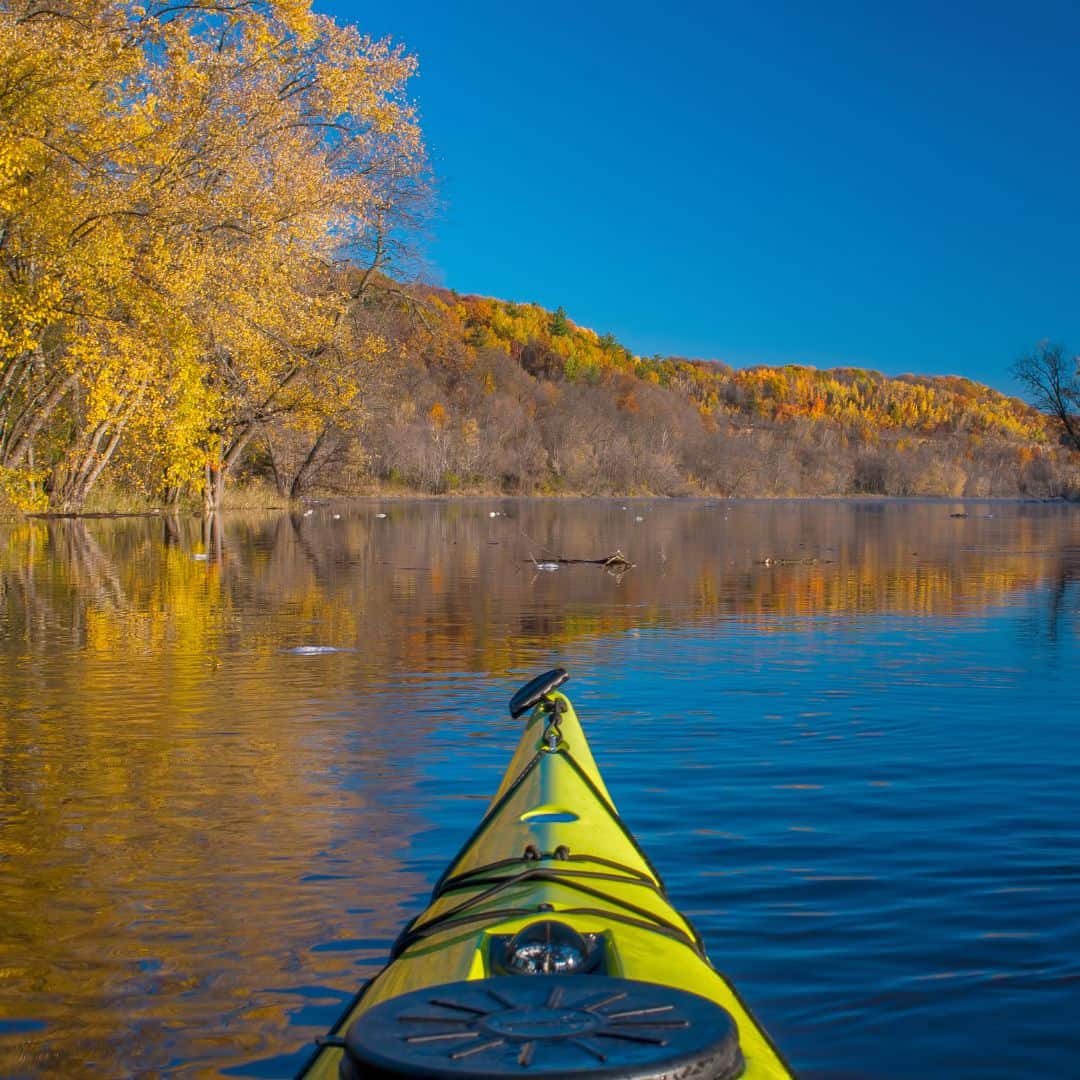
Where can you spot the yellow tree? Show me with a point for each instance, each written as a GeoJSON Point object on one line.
{"type": "Point", "coordinates": [186, 225]}
{"type": "Point", "coordinates": [57, 126]}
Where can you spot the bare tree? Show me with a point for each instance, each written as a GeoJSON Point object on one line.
{"type": "Point", "coordinates": [1054, 383]}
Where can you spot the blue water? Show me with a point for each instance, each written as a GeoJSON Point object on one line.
{"type": "Point", "coordinates": [856, 771]}
{"type": "Point", "coordinates": [873, 823]}
{"type": "Point", "coordinates": [885, 862]}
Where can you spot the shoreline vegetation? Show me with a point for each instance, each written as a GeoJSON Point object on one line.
{"type": "Point", "coordinates": [260, 500]}
{"type": "Point", "coordinates": [205, 224]}
{"type": "Point", "coordinates": [480, 397]}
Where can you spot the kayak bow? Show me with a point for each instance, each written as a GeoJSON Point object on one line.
{"type": "Point", "coordinates": [549, 948]}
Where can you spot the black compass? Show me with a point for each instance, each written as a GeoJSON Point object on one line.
{"type": "Point", "coordinates": [571, 1026]}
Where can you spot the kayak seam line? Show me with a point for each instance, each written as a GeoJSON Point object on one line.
{"type": "Point", "coordinates": [699, 941]}
{"type": "Point", "coordinates": [562, 751]}
{"type": "Point", "coordinates": [615, 816]}
{"type": "Point", "coordinates": [485, 821]}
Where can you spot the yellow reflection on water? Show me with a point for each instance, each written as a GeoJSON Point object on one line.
{"type": "Point", "coordinates": [190, 811]}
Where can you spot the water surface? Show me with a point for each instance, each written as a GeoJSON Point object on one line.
{"type": "Point", "coordinates": [232, 765]}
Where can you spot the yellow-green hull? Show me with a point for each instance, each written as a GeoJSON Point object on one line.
{"type": "Point", "coordinates": [552, 846]}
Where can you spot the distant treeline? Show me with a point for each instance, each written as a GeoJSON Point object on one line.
{"type": "Point", "coordinates": [481, 394]}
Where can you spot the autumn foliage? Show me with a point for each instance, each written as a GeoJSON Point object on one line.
{"type": "Point", "coordinates": [178, 184]}
{"type": "Point", "coordinates": [201, 209]}
{"type": "Point", "coordinates": [560, 408]}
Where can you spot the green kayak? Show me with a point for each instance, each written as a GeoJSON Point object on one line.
{"type": "Point", "coordinates": [549, 948]}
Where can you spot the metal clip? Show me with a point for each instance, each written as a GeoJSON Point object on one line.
{"type": "Point", "coordinates": [551, 726]}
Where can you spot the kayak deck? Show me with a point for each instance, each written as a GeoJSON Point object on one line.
{"type": "Point", "coordinates": [552, 852]}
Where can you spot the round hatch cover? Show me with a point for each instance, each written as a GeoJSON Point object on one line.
{"type": "Point", "coordinates": [588, 1026]}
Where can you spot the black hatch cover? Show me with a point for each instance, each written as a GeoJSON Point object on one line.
{"type": "Point", "coordinates": [592, 1027]}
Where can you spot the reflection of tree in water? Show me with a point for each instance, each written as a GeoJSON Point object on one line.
{"type": "Point", "coordinates": [1064, 593]}
{"type": "Point", "coordinates": [187, 809]}
{"type": "Point", "coordinates": [443, 583]}
{"type": "Point", "coordinates": [170, 844]}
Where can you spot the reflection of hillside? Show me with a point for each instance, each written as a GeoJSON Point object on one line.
{"type": "Point", "coordinates": [437, 584]}
{"type": "Point", "coordinates": [153, 731]}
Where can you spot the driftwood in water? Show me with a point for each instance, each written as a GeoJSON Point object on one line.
{"type": "Point", "coordinates": [616, 560]}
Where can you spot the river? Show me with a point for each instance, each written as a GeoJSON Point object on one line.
{"type": "Point", "coordinates": [232, 765]}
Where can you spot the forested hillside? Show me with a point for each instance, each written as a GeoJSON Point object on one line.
{"type": "Point", "coordinates": [481, 394]}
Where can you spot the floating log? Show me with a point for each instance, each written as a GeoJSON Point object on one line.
{"type": "Point", "coordinates": [615, 560]}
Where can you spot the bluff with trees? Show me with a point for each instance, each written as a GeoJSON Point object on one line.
{"type": "Point", "coordinates": [202, 207]}
{"type": "Point", "coordinates": [488, 395]}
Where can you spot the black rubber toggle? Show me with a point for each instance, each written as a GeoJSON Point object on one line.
{"type": "Point", "coordinates": [576, 1027]}
{"type": "Point", "coordinates": [537, 689]}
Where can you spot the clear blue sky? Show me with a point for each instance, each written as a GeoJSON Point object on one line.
{"type": "Point", "coordinates": [891, 186]}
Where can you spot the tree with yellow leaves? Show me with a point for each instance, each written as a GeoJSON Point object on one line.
{"type": "Point", "coordinates": [180, 186]}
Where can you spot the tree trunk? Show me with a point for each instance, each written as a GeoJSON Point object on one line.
{"type": "Point", "coordinates": [103, 459]}
{"type": "Point", "coordinates": [213, 489]}
{"type": "Point", "coordinates": [280, 481]}
{"type": "Point", "coordinates": [78, 486]}
{"type": "Point", "coordinates": [209, 490]}
{"type": "Point", "coordinates": [27, 426]}
{"type": "Point", "coordinates": [69, 489]}
{"type": "Point", "coordinates": [306, 469]}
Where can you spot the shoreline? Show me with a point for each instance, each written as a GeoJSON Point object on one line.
{"type": "Point", "coordinates": [328, 501]}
